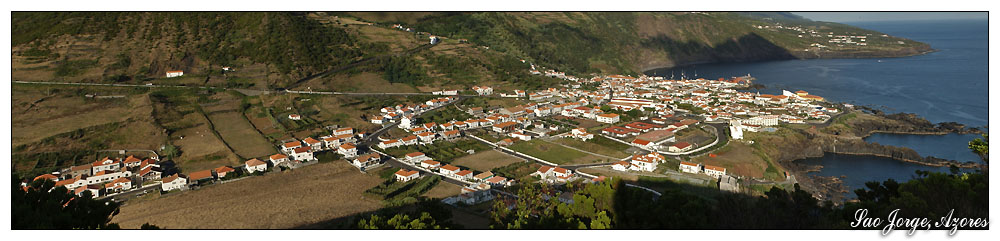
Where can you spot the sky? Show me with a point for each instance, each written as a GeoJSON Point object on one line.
{"type": "Point", "coordinates": [888, 16]}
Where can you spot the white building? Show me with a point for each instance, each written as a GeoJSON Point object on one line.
{"type": "Point", "coordinates": [690, 167]}
{"type": "Point", "coordinates": [173, 182]}
{"type": "Point", "coordinates": [175, 73]}
{"type": "Point", "coordinates": [609, 118]}
{"type": "Point", "coordinates": [254, 165]}
{"type": "Point", "coordinates": [714, 171]}
{"type": "Point", "coordinates": [404, 175]}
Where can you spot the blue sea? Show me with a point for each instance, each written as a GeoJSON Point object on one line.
{"type": "Point", "coordinates": [949, 85]}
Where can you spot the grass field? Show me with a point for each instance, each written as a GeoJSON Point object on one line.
{"type": "Point", "coordinates": [241, 135]}
{"type": "Point", "coordinates": [608, 172]}
{"type": "Point", "coordinates": [599, 145]}
{"type": "Point", "coordinates": [443, 190]}
{"type": "Point", "coordinates": [444, 151]}
{"type": "Point", "coordinates": [738, 159]}
{"type": "Point", "coordinates": [554, 153]}
{"type": "Point", "coordinates": [36, 115]}
{"type": "Point", "coordinates": [486, 160]}
{"type": "Point", "coordinates": [278, 201]}
{"type": "Point", "coordinates": [201, 149]}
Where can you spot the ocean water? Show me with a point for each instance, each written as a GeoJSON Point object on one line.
{"type": "Point", "coordinates": [951, 146]}
{"type": "Point", "coordinates": [857, 170]}
{"type": "Point", "coordinates": [949, 85]}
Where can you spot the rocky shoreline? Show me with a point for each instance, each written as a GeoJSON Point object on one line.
{"type": "Point", "coordinates": [815, 143]}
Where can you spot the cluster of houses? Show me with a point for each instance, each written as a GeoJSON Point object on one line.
{"type": "Point", "coordinates": [293, 154]}
{"type": "Point", "coordinates": [342, 140]}
{"type": "Point", "coordinates": [483, 180]}
{"type": "Point", "coordinates": [406, 114]}
{"type": "Point", "coordinates": [106, 176]}
{"type": "Point", "coordinates": [554, 174]}
{"type": "Point", "coordinates": [653, 133]}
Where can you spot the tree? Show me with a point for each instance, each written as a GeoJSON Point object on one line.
{"type": "Point", "coordinates": [44, 206]}
{"type": "Point", "coordinates": [981, 147]}
{"type": "Point", "coordinates": [400, 221]}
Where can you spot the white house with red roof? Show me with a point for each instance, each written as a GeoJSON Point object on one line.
{"type": "Point", "coordinates": [173, 182]}
{"type": "Point", "coordinates": [690, 167]}
{"type": "Point", "coordinates": [609, 118]}
{"type": "Point", "coordinates": [646, 163]}
{"type": "Point", "coordinates": [107, 176]}
{"type": "Point", "coordinates": [430, 164]}
{"type": "Point", "coordinates": [415, 157]}
{"type": "Point", "coordinates": [95, 190]}
{"type": "Point", "coordinates": [404, 175]}
{"type": "Point", "coordinates": [427, 137]}
{"type": "Point", "coordinates": [291, 145]}
{"type": "Point", "coordinates": [303, 154]}
{"type": "Point", "coordinates": [643, 143]}
{"type": "Point", "coordinates": [277, 159]}
{"type": "Point", "coordinates": [621, 166]}
{"type": "Point", "coordinates": [313, 143]}
{"type": "Point", "coordinates": [131, 161]}
{"type": "Point", "coordinates": [680, 147]}
{"type": "Point", "coordinates": [118, 185]}
{"type": "Point", "coordinates": [448, 170]}
{"type": "Point", "coordinates": [150, 173]}
{"type": "Point", "coordinates": [520, 135]}
{"type": "Point", "coordinates": [367, 160]}
{"type": "Point", "coordinates": [175, 73]}
{"type": "Point", "coordinates": [105, 165]}
{"type": "Point", "coordinates": [715, 171]}
{"type": "Point", "coordinates": [254, 165]}
{"type": "Point", "coordinates": [347, 150]}
{"type": "Point", "coordinates": [543, 171]}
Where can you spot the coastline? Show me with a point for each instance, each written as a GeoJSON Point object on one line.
{"type": "Point", "coordinates": [801, 144]}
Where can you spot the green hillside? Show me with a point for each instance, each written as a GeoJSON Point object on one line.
{"type": "Point", "coordinates": [330, 50]}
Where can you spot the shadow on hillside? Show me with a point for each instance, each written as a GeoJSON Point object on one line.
{"type": "Point", "coordinates": [746, 48]}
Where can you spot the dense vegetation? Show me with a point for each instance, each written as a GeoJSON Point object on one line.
{"type": "Point", "coordinates": [38, 208]}
{"type": "Point", "coordinates": [289, 41]}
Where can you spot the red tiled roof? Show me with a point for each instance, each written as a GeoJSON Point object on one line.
{"type": "Point", "coordinates": [715, 168]}
{"type": "Point", "coordinates": [225, 169]}
{"type": "Point", "coordinates": [254, 162]}
{"type": "Point", "coordinates": [310, 141]}
{"type": "Point", "coordinates": [449, 167]}
{"type": "Point", "coordinates": [415, 154]}
{"type": "Point", "coordinates": [464, 173]}
{"type": "Point", "coordinates": [278, 156]}
{"type": "Point", "coordinates": [203, 174]}
{"type": "Point", "coordinates": [682, 145]}
{"type": "Point", "coordinates": [292, 144]}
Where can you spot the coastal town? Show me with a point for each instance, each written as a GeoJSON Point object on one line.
{"type": "Point", "coordinates": [654, 120]}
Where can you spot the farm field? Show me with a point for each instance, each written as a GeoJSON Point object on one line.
{"type": "Point", "coordinates": [486, 160]}
{"type": "Point", "coordinates": [282, 200]}
{"type": "Point", "coordinates": [201, 149]}
{"type": "Point", "coordinates": [599, 145]}
{"type": "Point", "coordinates": [443, 190]}
{"type": "Point", "coordinates": [554, 153]}
{"type": "Point", "coordinates": [35, 115]}
{"type": "Point", "coordinates": [240, 135]}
